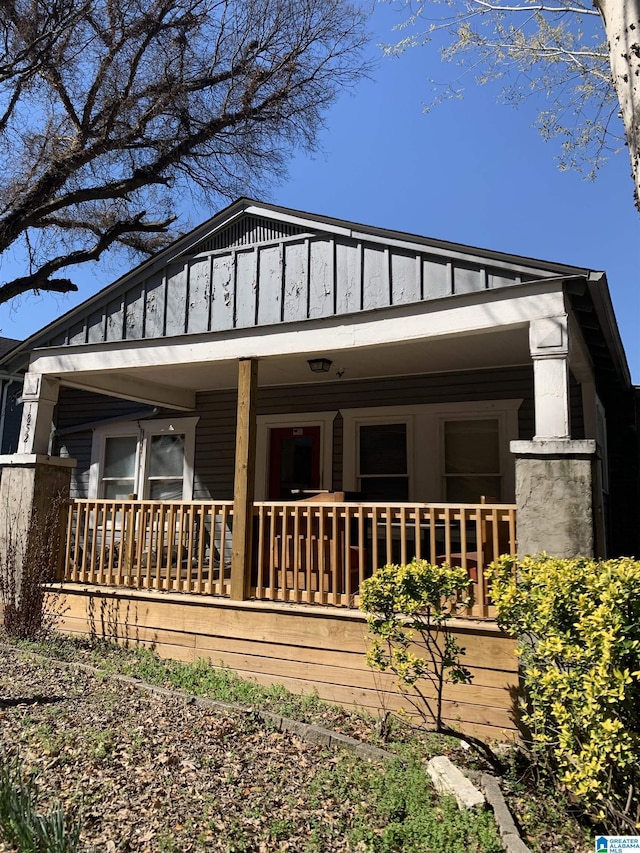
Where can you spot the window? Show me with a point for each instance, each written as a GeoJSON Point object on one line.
{"type": "Point", "coordinates": [165, 476]}
{"type": "Point", "coordinates": [472, 460]}
{"type": "Point", "coordinates": [119, 470]}
{"type": "Point", "coordinates": [151, 459]}
{"type": "Point", "coordinates": [427, 452]}
{"type": "Point", "coordinates": [382, 469]}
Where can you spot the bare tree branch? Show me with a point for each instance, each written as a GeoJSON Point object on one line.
{"type": "Point", "coordinates": [553, 10]}
{"type": "Point", "coordinates": [109, 107]}
{"type": "Point", "coordinates": [581, 56]}
{"type": "Point", "coordinates": [120, 231]}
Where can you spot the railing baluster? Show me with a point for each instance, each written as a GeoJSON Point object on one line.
{"type": "Point", "coordinates": [273, 553]}
{"type": "Point", "coordinates": [213, 514]}
{"type": "Point", "coordinates": [464, 555]}
{"type": "Point", "coordinates": [374, 538]}
{"type": "Point", "coordinates": [361, 547]}
{"type": "Point", "coordinates": [417, 532]}
{"type": "Point", "coordinates": [388, 535]}
{"type": "Point", "coordinates": [324, 566]}
{"type": "Point", "coordinates": [334, 550]}
{"type": "Point", "coordinates": [307, 552]}
{"type": "Point", "coordinates": [447, 534]}
{"type": "Point", "coordinates": [226, 535]}
{"type": "Point", "coordinates": [307, 546]}
{"type": "Point", "coordinates": [140, 536]}
{"type": "Point", "coordinates": [481, 543]}
{"type": "Point", "coordinates": [260, 584]}
{"type": "Point", "coordinates": [295, 555]}
{"type": "Point", "coordinates": [69, 567]}
{"type": "Point", "coordinates": [76, 543]}
{"type": "Point", "coordinates": [344, 514]}
{"type": "Point", "coordinates": [85, 542]}
{"type": "Point", "coordinates": [433, 543]}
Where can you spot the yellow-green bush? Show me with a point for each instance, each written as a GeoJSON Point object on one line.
{"type": "Point", "coordinates": [578, 626]}
{"type": "Point", "coordinates": [408, 608]}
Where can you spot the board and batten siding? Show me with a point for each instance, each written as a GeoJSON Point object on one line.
{"type": "Point", "coordinates": [262, 272]}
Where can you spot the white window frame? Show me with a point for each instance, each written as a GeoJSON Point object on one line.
{"type": "Point", "coordinates": [503, 455]}
{"type": "Point", "coordinates": [393, 415]}
{"type": "Point", "coordinates": [143, 430]}
{"type": "Point", "coordinates": [425, 441]}
{"type": "Point", "coordinates": [265, 423]}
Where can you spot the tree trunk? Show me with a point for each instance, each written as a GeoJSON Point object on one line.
{"type": "Point", "coordinates": [622, 24]}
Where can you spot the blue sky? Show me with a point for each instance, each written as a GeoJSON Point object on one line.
{"type": "Point", "coordinates": [472, 171]}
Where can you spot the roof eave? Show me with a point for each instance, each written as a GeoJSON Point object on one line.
{"type": "Point", "coordinates": [599, 290]}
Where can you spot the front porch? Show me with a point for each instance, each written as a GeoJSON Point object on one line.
{"type": "Point", "coordinates": [301, 552]}
{"type": "Point", "coordinates": [161, 574]}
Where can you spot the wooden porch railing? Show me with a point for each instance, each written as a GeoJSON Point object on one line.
{"type": "Point", "coordinates": [302, 552]}
{"type": "Point", "coordinates": [178, 546]}
{"type": "Point", "coordinates": [321, 553]}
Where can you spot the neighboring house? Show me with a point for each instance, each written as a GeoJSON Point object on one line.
{"type": "Point", "coordinates": [10, 408]}
{"type": "Point", "coordinates": [279, 403]}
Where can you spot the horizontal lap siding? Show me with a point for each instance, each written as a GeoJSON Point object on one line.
{"type": "Point", "coordinates": [306, 650]}
{"type": "Point", "coordinates": [497, 384]}
{"type": "Point", "coordinates": [12, 418]}
{"type": "Point", "coordinates": [215, 446]}
{"type": "Point", "coordinates": [215, 432]}
{"type": "Point", "coordinates": [215, 437]}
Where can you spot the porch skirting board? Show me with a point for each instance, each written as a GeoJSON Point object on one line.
{"type": "Point", "coordinates": [306, 648]}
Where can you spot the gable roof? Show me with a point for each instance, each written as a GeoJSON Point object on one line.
{"type": "Point", "coordinates": [255, 264]}
{"type": "Point", "coordinates": [248, 224]}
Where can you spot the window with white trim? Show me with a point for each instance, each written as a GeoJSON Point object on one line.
{"type": "Point", "coordinates": [471, 454]}
{"type": "Point", "coordinates": [150, 459]}
{"type": "Point", "coordinates": [383, 472]}
{"type": "Point", "coordinates": [454, 452]}
{"type": "Point", "coordinates": [118, 474]}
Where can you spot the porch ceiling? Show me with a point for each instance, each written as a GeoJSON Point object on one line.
{"type": "Point", "coordinates": [486, 349]}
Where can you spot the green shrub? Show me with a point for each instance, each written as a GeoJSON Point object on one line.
{"type": "Point", "coordinates": [22, 826]}
{"type": "Point", "coordinates": [578, 626]}
{"type": "Point", "coordinates": [408, 610]}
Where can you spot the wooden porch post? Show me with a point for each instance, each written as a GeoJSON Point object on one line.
{"type": "Point", "coordinates": [244, 478]}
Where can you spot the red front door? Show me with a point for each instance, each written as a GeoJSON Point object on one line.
{"type": "Point", "coordinates": [294, 461]}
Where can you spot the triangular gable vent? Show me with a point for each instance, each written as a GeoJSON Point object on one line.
{"type": "Point", "coordinates": [247, 231]}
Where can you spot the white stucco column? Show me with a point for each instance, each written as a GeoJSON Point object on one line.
{"type": "Point", "coordinates": [554, 473]}
{"type": "Point", "coordinates": [39, 397]}
{"type": "Point", "coordinates": [549, 347]}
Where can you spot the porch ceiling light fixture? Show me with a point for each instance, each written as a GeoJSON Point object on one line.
{"type": "Point", "coordinates": [319, 365]}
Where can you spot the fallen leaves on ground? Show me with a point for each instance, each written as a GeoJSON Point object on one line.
{"type": "Point", "coordinates": [158, 773]}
